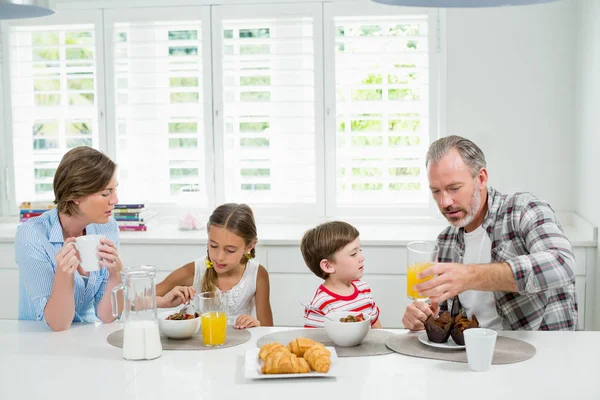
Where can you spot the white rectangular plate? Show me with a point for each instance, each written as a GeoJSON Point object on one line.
{"type": "Point", "coordinates": [253, 364]}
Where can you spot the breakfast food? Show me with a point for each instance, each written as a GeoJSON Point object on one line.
{"type": "Point", "coordinates": [181, 316]}
{"type": "Point", "coordinates": [353, 318]}
{"type": "Point", "coordinates": [461, 323]}
{"type": "Point", "coordinates": [283, 362]}
{"type": "Point", "coordinates": [280, 359]}
{"type": "Point", "coordinates": [319, 358]}
{"type": "Point", "coordinates": [299, 345]}
{"type": "Point", "coordinates": [438, 329]}
{"type": "Point", "coordinates": [267, 349]}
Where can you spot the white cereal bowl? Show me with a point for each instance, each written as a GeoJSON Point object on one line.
{"type": "Point", "coordinates": [177, 329]}
{"type": "Point", "coordinates": [346, 334]}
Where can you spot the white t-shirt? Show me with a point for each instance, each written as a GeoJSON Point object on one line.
{"type": "Point", "coordinates": [478, 250]}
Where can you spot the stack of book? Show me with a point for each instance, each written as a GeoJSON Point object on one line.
{"type": "Point", "coordinates": [30, 209]}
{"type": "Point", "coordinates": [131, 217]}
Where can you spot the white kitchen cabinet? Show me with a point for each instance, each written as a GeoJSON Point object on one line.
{"type": "Point", "coordinates": [291, 280]}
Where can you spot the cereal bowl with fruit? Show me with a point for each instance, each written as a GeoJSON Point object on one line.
{"type": "Point", "coordinates": [347, 328]}
{"type": "Point", "coordinates": [176, 325]}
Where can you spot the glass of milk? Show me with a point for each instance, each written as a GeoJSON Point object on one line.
{"type": "Point", "coordinates": [141, 338]}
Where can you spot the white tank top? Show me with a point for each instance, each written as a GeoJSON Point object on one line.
{"type": "Point", "coordinates": [241, 296]}
{"type": "Point", "coordinates": [478, 250]}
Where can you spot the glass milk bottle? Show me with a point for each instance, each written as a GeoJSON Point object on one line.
{"type": "Point", "coordinates": [141, 339]}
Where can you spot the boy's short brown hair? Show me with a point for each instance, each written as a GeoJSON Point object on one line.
{"type": "Point", "coordinates": [81, 172]}
{"type": "Point", "coordinates": [323, 241]}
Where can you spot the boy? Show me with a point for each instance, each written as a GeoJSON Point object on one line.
{"type": "Point", "coordinates": [332, 252]}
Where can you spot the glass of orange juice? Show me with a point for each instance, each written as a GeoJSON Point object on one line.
{"type": "Point", "coordinates": [213, 308]}
{"type": "Point", "coordinates": [420, 256]}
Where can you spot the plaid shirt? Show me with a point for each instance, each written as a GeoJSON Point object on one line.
{"type": "Point", "coordinates": [526, 234]}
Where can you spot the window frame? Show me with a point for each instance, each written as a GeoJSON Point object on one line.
{"type": "Point", "coordinates": [314, 10]}
{"type": "Point", "coordinates": [74, 17]}
{"type": "Point", "coordinates": [212, 12]}
{"type": "Point", "coordinates": [350, 9]}
{"type": "Point", "coordinates": [6, 159]}
{"type": "Point", "coordinates": [112, 16]}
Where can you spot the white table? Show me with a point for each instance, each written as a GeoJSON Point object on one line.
{"type": "Point", "coordinates": [36, 363]}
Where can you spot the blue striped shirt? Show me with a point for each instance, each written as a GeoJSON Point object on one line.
{"type": "Point", "coordinates": [36, 244]}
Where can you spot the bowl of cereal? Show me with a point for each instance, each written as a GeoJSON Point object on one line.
{"type": "Point", "coordinates": [176, 325]}
{"type": "Point", "coordinates": [347, 328]}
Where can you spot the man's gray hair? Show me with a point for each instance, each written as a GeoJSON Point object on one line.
{"type": "Point", "coordinates": [469, 152]}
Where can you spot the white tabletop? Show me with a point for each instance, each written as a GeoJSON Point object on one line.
{"type": "Point", "coordinates": [38, 364]}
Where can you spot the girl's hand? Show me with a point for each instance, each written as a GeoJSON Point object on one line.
{"type": "Point", "coordinates": [246, 321]}
{"type": "Point", "coordinates": [178, 295]}
{"type": "Point", "coordinates": [67, 259]}
{"type": "Point", "coordinates": [109, 257]}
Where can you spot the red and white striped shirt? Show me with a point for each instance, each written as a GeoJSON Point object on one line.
{"type": "Point", "coordinates": [327, 301]}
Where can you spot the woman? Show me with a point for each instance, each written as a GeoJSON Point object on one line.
{"type": "Point", "coordinates": [52, 285]}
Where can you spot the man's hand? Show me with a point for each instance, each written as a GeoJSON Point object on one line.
{"type": "Point", "coordinates": [417, 313]}
{"type": "Point", "coordinates": [449, 280]}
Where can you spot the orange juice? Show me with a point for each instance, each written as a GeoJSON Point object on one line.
{"type": "Point", "coordinates": [411, 278]}
{"type": "Point", "coordinates": [214, 328]}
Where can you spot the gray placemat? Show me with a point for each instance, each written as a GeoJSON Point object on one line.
{"type": "Point", "coordinates": [373, 345]}
{"type": "Point", "coordinates": [234, 337]}
{"type": "Point", "coordinates": [507, 350]}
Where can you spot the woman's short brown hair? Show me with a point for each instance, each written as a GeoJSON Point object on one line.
{"type": "Point", "coordinates": [81, 172]}
{"type": "Point", "coordinates": [323, 241]}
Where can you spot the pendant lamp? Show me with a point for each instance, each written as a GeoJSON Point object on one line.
{"type": "Point", "coordinates": [17, 9]}
{"type": "Point", "coordinates": [460, 3]}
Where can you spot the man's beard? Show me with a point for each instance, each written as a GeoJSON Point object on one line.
{"type": "Point", "coordinates": [470, 213]}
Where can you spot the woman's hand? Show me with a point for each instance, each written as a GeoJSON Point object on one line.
{"type": "Point", "coordinates": [178, 295]}
{"type": "Point", "coordinates": [67, 259]}
{"type": "Point", "coordinates": [109, 257]}
{"type": "Point", "coordinates": [246, 321]}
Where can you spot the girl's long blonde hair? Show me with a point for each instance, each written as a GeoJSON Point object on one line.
{"type": "Point", "coordinates": [237, 219]}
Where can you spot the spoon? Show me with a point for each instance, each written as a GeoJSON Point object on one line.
{"type": "Point", "coordinates": [313, 308]}
{"type": "Point", "coordinates": [187, 307]}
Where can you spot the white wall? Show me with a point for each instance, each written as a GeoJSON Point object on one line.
{"type": "Point", "coordinates": [510, 89]}
{"type": "Point", "coordinates": [587, 143]}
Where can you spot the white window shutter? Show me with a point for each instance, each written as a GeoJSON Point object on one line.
{"type": "Point", "coordinates": [382, 62]}
{"type": "Point", "coordinates": [53, 75]}
{"type": "Point", "coordinates": [159, 101]}
{"type": "Point", "coordinates": [269, 78]}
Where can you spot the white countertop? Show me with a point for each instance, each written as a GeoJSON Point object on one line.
{"type": "Point", "coordinates": [79, 364]}
{"type": "Point", "coordinates": [579, 231]}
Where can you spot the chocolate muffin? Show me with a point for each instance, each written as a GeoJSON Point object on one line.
{"type": "Point", "coordinates": [438, 329]}
{"type": "Point", "coordinates": [460, 324]}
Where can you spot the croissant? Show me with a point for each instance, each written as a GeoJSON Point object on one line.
{"type": "Point", "coordinates": [284, 362]}
{"type": "Point", "coordinates": [299, 345]}
{"type": "Point", "coordinates": [319, 358]}
{"type": "Point", "coordinates": [269, 348]}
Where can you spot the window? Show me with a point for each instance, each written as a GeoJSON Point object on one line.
{"type": "Point", "coordinates": [160, 99]}
{"type": "Point", "coordinates": [4, 154]}
{"type": "Point", "coordinates": [301, 109]}
{"type": "Point", "coordinates": [381, 72]}
{"type": "Point", "coordinates": [54, 84]}
{"type": "Point", "coordinates": [269, 125]}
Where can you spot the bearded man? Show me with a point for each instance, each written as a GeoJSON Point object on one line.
{"type": "Point", "coordinates": [504, 257]}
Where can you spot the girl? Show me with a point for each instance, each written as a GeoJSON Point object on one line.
{"type": "Point", "coordinates": [229, 267]}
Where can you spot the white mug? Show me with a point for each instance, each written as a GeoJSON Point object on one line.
{"type": "Point", "coordinates": [480, 344]}
{"type": "Point", "coordinates": [88, 251]}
